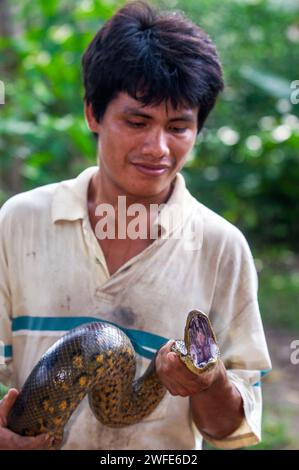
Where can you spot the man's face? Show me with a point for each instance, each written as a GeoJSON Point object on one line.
{"type": "Point", "coordinates": [142, 148]}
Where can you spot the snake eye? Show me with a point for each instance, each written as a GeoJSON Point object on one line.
{"type": "Point", "coordinates": [61, 377]}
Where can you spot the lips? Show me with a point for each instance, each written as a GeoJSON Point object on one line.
{"type": "Point", "coordinates": [152, 170]}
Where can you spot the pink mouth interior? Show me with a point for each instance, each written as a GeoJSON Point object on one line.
{"type": "Point", "coordinates": [203, 348]}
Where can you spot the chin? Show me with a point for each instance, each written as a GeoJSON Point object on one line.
{"type": "Point", "coordinates": [148, 191]}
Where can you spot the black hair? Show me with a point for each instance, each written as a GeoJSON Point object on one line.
{"type": "Point", "coordinates": [153, 56]}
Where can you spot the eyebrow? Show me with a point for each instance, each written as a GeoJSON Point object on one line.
{"type": "Point", "coordinates": [187, 117]}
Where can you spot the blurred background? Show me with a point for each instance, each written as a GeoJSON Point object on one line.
{"type": "Point", "coordinates": [245, 165]}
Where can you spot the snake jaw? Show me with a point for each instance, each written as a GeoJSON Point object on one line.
{"type": "Point", "coordinates": [199, 351]}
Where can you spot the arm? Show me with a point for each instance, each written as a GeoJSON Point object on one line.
{"type": "Point", "coordinates": [218, 410]}
{"type": "Point", "coordinates": [216, 404]}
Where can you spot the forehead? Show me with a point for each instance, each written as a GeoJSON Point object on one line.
{"type": "Point", "coordinates": [125, 103]}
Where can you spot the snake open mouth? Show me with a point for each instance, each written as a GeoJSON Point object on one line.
{"type": "Point", "coordinates": [201, 343]}
{"type": "Point", "coordinates": [199, 350]}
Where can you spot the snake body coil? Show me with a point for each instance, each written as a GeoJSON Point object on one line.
{"type": "Point", "coordinates": [98, 359]}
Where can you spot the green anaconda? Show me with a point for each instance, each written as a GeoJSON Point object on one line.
{"type": "Point", "coordinates": [98, 358]}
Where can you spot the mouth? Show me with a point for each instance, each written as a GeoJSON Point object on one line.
{"type": "Point", "coordinates": [151, 170]}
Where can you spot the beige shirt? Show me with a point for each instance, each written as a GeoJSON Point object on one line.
{"type": "Point", "coordinates": [53, 276]}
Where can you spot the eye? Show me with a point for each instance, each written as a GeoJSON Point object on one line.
{"type": "Point", "coordinates": [178, 130]}
{"type": "Point", "coordinates": [137, 125]}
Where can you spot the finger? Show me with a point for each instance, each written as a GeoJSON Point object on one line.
{"type": "Point", "coordinates": [177, 389]}
{"type": "Point", "coordinates": [166, 362]}
{"type": "Point", "coordinates": [179, 369]}
{"type": "Point", "coordinates": [41, 442]}
{"type": "Point", "coordinates": [178, 373]}
{"type": "Point", "coordinates": [173, 373]}
{"type": "Point", "coordinates": [12, 441]}
{"type": "Point", "coordinates": [172, 367]}
{"type": "Point", "coordinates": [167, 346]}
{"type": "Point", "coordinates": [174, 358]}
{"type": "Point", "coordinates": [6, 404]}
{"type": "Point", "coordinates": [161, 357]}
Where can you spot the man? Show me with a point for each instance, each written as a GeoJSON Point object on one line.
{"type": "Point", "coordinates": [151, 80]}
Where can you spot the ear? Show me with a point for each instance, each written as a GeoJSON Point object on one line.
{"type": "Point", "coordinates": [90, 119]}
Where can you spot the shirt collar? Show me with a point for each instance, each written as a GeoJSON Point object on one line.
{"type": "Point", "coordinates": [177, 210]}
{"type": "Point", "coordinates": [70, 198]}
{"type": "Point", "coordinates": [70, 202]}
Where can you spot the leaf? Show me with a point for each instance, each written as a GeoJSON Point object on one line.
{"type": "Point", "coordinates": [273, 85]}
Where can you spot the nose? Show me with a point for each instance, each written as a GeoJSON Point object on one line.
{"type": "Point", "coordinates": [156, 144]}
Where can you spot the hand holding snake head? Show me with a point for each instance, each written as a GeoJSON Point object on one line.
{"type": "Point", "coordinates": [193, 365]}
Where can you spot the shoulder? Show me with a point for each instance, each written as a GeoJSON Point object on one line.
{"type": "Point", "coordinates": [218, 234]}
{"type": "Point", "coordinates": [217, 226]}
{"type": "Point", "coordinates": [28, 204]}
{"type": "Point", "coordinates": [217, 230]}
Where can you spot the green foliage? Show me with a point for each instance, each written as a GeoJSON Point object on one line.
{"type": "Point", "coordinates": [276, 434]}
{"type": "Point", "coordinates": [43, 135]}
{"type": "Point", "coordinates": [279, 288]}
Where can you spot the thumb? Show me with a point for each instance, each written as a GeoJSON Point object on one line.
{"type": "Point", "coordinates": [168, 346]}
{"type": "Point", "coordinates": [6, 404]}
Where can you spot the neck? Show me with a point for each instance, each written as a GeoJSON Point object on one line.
{"type": "Point", "coordinates": [100, 191]}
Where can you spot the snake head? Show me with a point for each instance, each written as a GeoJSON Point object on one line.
{"type": "Point", "coordinates": [199, 351]}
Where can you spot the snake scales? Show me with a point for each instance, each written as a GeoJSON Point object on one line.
{"type": "Point", "coordinates": [99, 359]}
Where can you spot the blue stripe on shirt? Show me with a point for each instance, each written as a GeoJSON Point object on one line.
{"type": "Point", "coordinates": [5, 352]}
{"type": "Point", "coordinates": [263, 373]}
{"type": "Point", "coordinates": [140, 339]}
